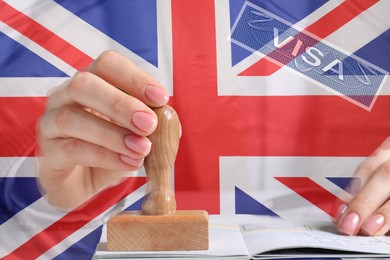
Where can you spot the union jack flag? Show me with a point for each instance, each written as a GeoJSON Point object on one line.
{"type": "Point", "coordinates": [257, 138]}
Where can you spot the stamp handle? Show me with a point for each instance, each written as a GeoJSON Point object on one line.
{"type": "Point", "coordinates": [159, 164]}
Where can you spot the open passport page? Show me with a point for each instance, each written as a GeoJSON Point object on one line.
{"type": "Point", "coordinates": [263, 237]}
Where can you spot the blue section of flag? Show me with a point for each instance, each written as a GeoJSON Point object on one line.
{"type": "Point", "coordinates": [131, 23]}
{"type": "Point", "coordinates": [238, 53]}
{"type": "Point", "coordinates": [18, 61]}
{"type": "Point", "coordinates": [13, 198]}
{"type": "Point", "coordinates": [342, 182]}
{"type": "Point", "coordinates": [245, 204]}
{"type": "Point", "coordinates": [381, 56]}
{"type": "Point", "coordinates": [349, 184]}
{"type": "Point", "coordinates": [136, 205]}
{"type": "Point", "coordinates": [84, 248]}
{"type": "Point", "coordinates": [291, 11]}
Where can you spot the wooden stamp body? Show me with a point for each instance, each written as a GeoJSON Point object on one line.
{"type": "Point", "coordinates": [158, 226]}
{"type": "Point", "coordinates": [184, 230]}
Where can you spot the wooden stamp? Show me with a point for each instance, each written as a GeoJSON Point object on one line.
{"type": "Point", "coordinates": [158, 226]}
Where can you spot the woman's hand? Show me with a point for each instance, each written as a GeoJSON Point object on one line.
{"type": "Point", "coordinates": [94, 129]}
{"type": "Point", "coordinates": [368, 213]}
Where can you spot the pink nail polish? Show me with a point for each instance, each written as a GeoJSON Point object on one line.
{"type": "Point", "coordinates": [156, 94]}
{"type": "Point", "coordinates": [341, 210]}
{"type": "Point", "coordinates": [144, 121]}
{"type": "Point", "coordinates": [138, 144]}
{"type": "Point", "coordinates": [372, 224]}
{"type": "Point", "coordinates": [131, 161]}
{"type": "Point", "coordinates": [349, 224]}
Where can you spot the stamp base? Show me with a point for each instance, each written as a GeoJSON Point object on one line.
{"type": "Point", "coordinates": [185, 230]}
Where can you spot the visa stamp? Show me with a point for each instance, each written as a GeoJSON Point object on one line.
{"type": "Point", "coordinates": [330, 67]}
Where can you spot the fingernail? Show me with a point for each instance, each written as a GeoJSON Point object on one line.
{"type": "Point", "coordinates": [349, 224]}
{"type": "Point", "coordinates": [131, 161]}
{"type": "Point", "coordinates": [340, 212]}
{"type": "Point", "coordinates": [157, 95]}
{"type": "Point", "coordinates": [144, 121]}
{"type": "Point", "coordinates": [138, 144]}
{"type": "Point", "coordinates": [373, 224]}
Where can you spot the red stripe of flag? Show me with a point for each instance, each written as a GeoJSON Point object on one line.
{"type": "Point", "coordinates": [297, 126]}
{"type": "Point", "coordinates": [262, 126]}
{"type": "Point", "coordinates": [75, 220]}
{"type": "Point", "coordinates": [323, 27]}
{"type": "Point", "coordinates": [18, 118]}
{"type": "Point", "coordinates": [314, 193]}
{"type": "Point", "coordinates": [195, 88]}
{"type": "Point", "coordinates": [43, 37]}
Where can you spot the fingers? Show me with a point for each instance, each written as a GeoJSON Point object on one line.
{"type": "Point", "coordinates": [378, 223]}
{"type": "Point", "coordinates": [368, 213]}
{"type": "Point", "coordinates": [72, 151]}
{"type": "Point", "coordinates": [107, 107]}
{"type": "Point", "coordinates": [366, 203]}
{"type": "Point", "coordinates": [90, 134]}
{"type": "Point", "coordinates": [77, 123]}
{"type": "Point", "coordinates": [132, 80]}
{"type": "Point", "coordinates": [94, 128]}
{"type": "Point", "coordinates": [116, 88]}
{"type": "Point", "coordinates": [88, 90]}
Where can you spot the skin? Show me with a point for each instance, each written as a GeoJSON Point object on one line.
{"type": "Point", "coordinates": [368, 212]}
{"type": "Point", "coordinates": [88, 138]}
{"type": "Point", "coordinates": [94, 129]}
